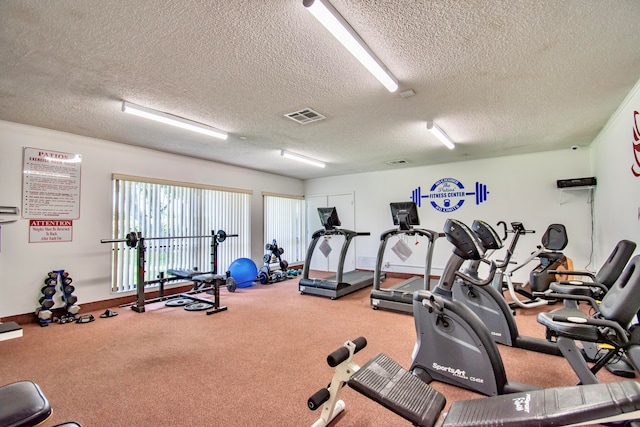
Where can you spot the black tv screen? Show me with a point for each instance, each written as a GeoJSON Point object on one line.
{"type": "Point", "coordinates": [329, 218]}
{"type": "Point", "coordinates": [405, 214]}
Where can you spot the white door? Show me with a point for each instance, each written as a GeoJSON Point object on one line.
{"type": "Point", "coordinates": [344, 206]}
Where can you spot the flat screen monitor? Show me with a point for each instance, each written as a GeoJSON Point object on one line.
{"type": "Point", "coordinates": [329, 218]}
{"type": "Point", "coordinates": [405, 214]}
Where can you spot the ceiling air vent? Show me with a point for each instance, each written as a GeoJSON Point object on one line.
{"type": "Point", "coordinates": [397, 162]}
{"type": "Point", "coordinates": [305, 116]}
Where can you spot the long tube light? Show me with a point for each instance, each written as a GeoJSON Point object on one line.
{"type": "Point", "coordinates": [172, 120]}
{"type": "Point", "coordinates": [328, 16]}
{"type": "Point", "coordinates": [303, 159]}
{"type": "Point", "coordinates": [439, 133]}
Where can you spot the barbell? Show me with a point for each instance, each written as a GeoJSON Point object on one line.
{"type": "Point", "coordinates": [132, 238]}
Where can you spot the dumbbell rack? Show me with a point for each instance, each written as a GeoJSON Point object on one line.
{"type": "Point", "coordinates": [55, 279]}
{"type": "Point", "coordinates": [274, 268]}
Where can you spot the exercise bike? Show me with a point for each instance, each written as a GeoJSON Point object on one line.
{"type": "Point", "coordinates": [453, 346]}
{"type": "Point", "coordinates": [488, 302]}
{"type": "Point", "coordinates": [612, 330]}
{"type": "Point", "coordinates": [495, 313]}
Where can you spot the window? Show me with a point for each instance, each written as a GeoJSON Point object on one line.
{"type": "Point", "coordinates": [158, 208]}
{"type": "Point", "coordinates": [284, 221]}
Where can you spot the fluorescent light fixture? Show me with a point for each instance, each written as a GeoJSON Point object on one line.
{"type": "Point", "coordinates": [302, 159]}
{"type": "Point", "coordinates": [341, 30]}
{"type": "Point", "coordinates": [172, 120]}
{"type": "Point", "coordinates": [439, 133]}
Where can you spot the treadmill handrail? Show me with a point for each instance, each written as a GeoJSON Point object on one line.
{"type": "Point", "coordinates": [348, 236]}
{"type": "Point", "coordinates": [384, 238]}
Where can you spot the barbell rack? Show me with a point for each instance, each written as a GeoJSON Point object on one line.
{"type": "Point", "coordinates": [137, 241]}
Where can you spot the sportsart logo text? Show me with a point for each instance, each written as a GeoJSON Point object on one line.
{"type": "Point", "coordinates": [456, 372]}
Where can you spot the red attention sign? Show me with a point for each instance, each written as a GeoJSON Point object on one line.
{"type": "Point", "coordinates": [50, 230]}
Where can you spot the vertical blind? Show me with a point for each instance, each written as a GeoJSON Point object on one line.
{"type": "Point", "coordinates": [172, 210]}
{"type": "Point", "coordinates": [284, 221]}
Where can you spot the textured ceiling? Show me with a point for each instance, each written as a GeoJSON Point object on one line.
{"type": "Point", "coordinates": [500, 77]}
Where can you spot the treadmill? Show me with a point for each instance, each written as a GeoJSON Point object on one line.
{"type": "Point", "coordinates": [400, 296]}
{"type": "Point", "coordinates": [342, 283]}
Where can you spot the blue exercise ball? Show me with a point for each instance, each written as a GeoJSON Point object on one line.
{"type": "Point", "coordinates": [244, 272]}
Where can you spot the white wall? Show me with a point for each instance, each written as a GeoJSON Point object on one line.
{"type": "Point", "coordinates": [521, 188]}
{"type": "Point", "coordinates": [617, 199]}
{"type": "Point", "coordinates": [23, 265]}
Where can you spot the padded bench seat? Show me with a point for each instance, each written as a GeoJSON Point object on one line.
{"type": "Point", "coordinates": [23, 404]}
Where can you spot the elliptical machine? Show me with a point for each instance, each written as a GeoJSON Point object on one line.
{"type": "Point", "coordinates": [553, 241]}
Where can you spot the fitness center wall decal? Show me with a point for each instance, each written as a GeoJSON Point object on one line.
{"type": "Point", "coordinates": [448, 194]}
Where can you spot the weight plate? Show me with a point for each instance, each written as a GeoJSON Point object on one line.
{"type": "Point", "coordinates": [47, 304]}
{"type": "Point", "coordinates": [69, 289]}
{"type": "Point", "coordinates": [70, 300]}
{"type": "Point", "coordinates": [67, 281]}
{"type": "Point", "coordinates": [221, 236]}
{"type": "Point", "coordinates": [50, 281]}
{"type": "Point", "coordinates": [178, 302]}
{"type": "Point", "coordinates": [132, 239]}
{"type": "Point", "coordinates": [231, 284]}
{"type": "Point", "coordinates": [198, 306]}
{"type": "Point", "coordinates": [266, 258]}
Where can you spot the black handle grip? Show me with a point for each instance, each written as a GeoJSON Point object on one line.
{"type": "Point", "coordinates": [342, 354]}
{"type": "Point", "coordinates": [561, 319]}
{"type": "Point", "coordinates": [504, 229]}
{"type": "Point", "coordinates": [318, 398]}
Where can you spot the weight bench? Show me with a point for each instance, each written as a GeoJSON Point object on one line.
{"type": "Point", "coordinates": [203, 282]}
{"type": "Point", "coordinates": [386, 382]}
{"type": "Point", "coordinates": [22, 404]}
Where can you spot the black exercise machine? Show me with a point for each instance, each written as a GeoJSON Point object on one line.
{"type": "Point", "coordinates": [488, 302]}
{"type": "Point", "coordinates": [601, 281]}
{"type": "Point", "coordinates": [399, 297]}
{"type": "Point", "coordinates": [386, 382]}
{"type": "Point", "coordinates": [454, 346]}
{"type": "Point", "coordinates": [342, 283]}
{"type": "Point", "coordinates": [611, 325]}
{"type": "Point", "coordinates": [451, 338]}
{"type": "Point", "coordinates": [551, 258]}
{"type": "Point", "coordinates": [495, 313]}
